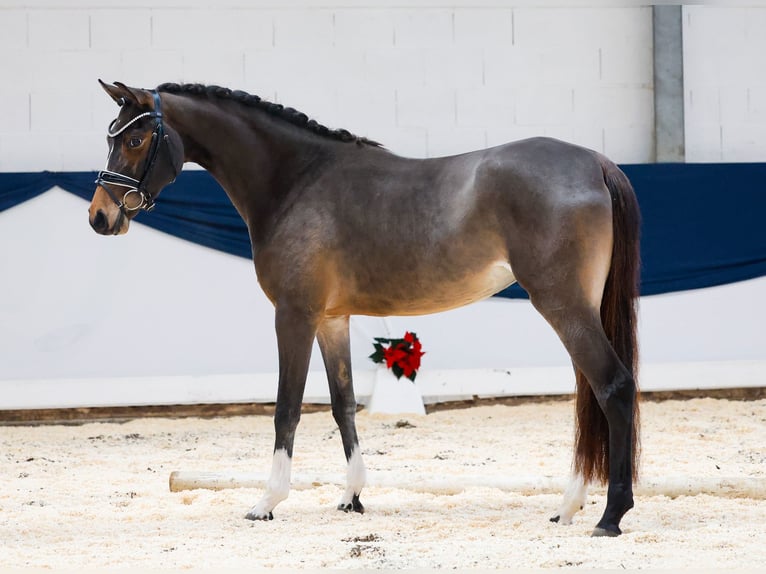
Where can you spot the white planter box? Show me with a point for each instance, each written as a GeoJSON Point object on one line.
{"type": "Point", "coordinates": [395, 396]}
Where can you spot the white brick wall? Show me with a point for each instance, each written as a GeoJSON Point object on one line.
{"type": "Point", "coordinates": [725, 83]}
{"type": "Point", "coordinates": [426, 80]}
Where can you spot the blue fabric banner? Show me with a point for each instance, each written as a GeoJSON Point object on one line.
{"type": "Point", "coordinates": [702, 223]}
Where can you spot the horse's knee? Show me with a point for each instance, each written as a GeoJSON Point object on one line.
{"type": "Point", "coordinates": [345, 413]}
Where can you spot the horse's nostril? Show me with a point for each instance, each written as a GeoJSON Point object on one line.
{"type": "Point", "coordinates": [99, 223]}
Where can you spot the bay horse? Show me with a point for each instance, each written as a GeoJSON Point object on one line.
{"type": "Point", "coordinates": [341, 226]}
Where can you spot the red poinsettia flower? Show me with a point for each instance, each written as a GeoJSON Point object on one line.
{"type": "Point", "coordinates": [395, 355]}
{"type": "Point", "coordinates": [402, 356]}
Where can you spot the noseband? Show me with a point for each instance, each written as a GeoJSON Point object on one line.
{"type": "Point", "coordinates": [107, 179]}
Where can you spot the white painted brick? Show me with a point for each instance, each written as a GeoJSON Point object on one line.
{"type": "Point", "coordinates": [20, 65]}
{"type": "Point", "coordinates": [702, 104]}
{"type": "Point", "coordinates": [756, 105]}
{"type": "Point", "coordinates": [363, 109]}
{"type": "Point", "coordinates": [576, 65]}
{"type": "Point", "coordinates": [505, 68]}
{"type": "Point", "coordinates": [451, 67]}
{"type": "Point", "coordinates": [743, 142]}
{"type": "Point", "coordinates": [149, 68]}
{"type": "Point", "coordinates": [82, 151]}
{"type": "Point", "coordinates": [500, 134]}
{"type": "Point", "coordinates": [406, 142]}
{"type": "Point", "coordinates": [305, 68]}
{"type": "Point", "coordinates": [755, 35]}
{"type": "Point", "coordinates": [627, 57]}
{"type": "Point", "coordinates": [423, 28]}
{"type": "Point", "coordinates": [615, 105]}
{"type": "Point", "coordinates": [733, 104]}
{"type": "Point", "coordinates": [107, 29]}
{"type": "Point", "coordinates": [56, 111]}
{"type": "Point", "coordinates": [319, 102]}
{"type": "Point", "coordinates": [395, 67]}
{"type": "Point", "coordinates": [30, 151]}
{"type": "Point", "coordinates": [563, 133]}
{"type": "Point", "coordinates": [59, 29]}
{"type": "Point", "coordinates": [103, 108]}
{"type": "Point", "coordinates": [589, 135]}
{"type": "Point", "coordinates": [357, 29]}
{"type": "Point", "coordinates": [629, 63]}
{"type": "Point", "coordinates": [622, 25]}
{"type": "Point", "coordinates": [454, 140]}
{"type": "Point", "coordinates": [429, 108]}
{"type": "Point", "coordinates": [484, 107]}
{"type": "Point", "coordinates": [225, 68]}
{"type": "Point", "coordinates": [15, 102]}
{"type": "Point", "coordinates": [212, 29]}
{"type": "Point", "coordinates": [484, 27]}
{"type": "Point", "coordinates": [13, 29]}
{"type": "Point", "coordinates": [304, 28]}
{"type": "Point", "coordinates": [263, 73]}
{"type": "Point", "coordinates": [723, 49]}
{"type": "Point", "coordinates": [703, 142]}
{"type": "Point", "coordinates": [714, 45]}
{"type": "Point", "coordinates": [544, 105]}
{"type": "Point", "coordinates": [74, 69]}
{"type": "Point", "coordinates": [545, 28]}
{"type": "Point", "coordinates": [633, 144]}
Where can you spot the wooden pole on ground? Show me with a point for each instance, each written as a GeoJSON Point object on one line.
{"type": "Point", "coordinates": [728, 487]}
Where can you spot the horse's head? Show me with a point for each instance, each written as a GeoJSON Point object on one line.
{"type": "Point", "coordinates": [145, 154]}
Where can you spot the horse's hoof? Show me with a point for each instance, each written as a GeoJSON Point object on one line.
{"type": "Point", "coordinates": [355, 505]}
{"type": "Point", "coordinates": [259, 516]}
{"type": "Point", "coordinates": [555, 518]}
{"type": "Point", "coordinates": [599, 531]}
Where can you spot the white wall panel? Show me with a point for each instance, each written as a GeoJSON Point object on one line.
{"type": "Point", "coordinates": [108, 29]}
{"type": "Point", "coordinates": [59, 29]}
{"type": "Point", "coordinates": [13, 29]}
{"type": "Point", "coordinates": [725, 83]}
{"type": "Point", "coordinates": [419, 60]}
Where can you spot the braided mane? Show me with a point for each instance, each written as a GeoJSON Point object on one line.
{"type": "Point", "coordinates": [290, 115]}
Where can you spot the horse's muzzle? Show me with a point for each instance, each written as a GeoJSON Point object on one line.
{"type": "Point", "coordinates": [100, 223]}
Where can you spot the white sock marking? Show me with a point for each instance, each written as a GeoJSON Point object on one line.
{"type": "Point", "coordinates": [278, 486]}
{"type": "Point", "coordinates": [574, 499]}
{"type": "Point", "coordinates": [356, 477]}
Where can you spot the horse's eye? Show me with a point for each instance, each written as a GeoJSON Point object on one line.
{"type": "Point", "coordinates": [134, 142]}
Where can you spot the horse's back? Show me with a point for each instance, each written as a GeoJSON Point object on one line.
{"type": "Point", "coordinates": [406, 236]}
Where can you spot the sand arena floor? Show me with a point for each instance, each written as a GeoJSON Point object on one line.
{"type": "Point", "coordinates": [96, 495]}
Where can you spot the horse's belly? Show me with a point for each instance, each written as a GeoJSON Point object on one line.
{"type": "Point", "coordinates": [450, 294]}
{"type": "Point", "coordinates": [497, 277]}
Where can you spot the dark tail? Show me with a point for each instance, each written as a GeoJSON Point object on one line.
{"type": "Point", "coordinates": [618, 317]}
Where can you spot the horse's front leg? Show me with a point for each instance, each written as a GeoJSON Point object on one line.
{"type": "Point", "coordinates": [333, 338]}
{"type": "Point", "coordinates": [574, 499]}
{"type": "Point", "coordinates": [295, 335]}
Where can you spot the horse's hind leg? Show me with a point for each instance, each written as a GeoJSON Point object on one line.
{"type": "Point", "coordinates": [333, 338]}
{"type": "Point", "coordinates": [295, 336]}
{"type": "Point", "coordinates": [579, 327]}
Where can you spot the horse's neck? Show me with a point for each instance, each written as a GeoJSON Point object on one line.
{"type": "Point", "coordinates": [252, 155]}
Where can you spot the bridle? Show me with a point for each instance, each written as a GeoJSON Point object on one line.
{"type": "Point", "coordinates": [107, 179]}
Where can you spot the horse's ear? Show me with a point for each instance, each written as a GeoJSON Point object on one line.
{"type": "Point", "coordinates": [122, 94]}
{"type": "Point", "coordinates": [116, 92]}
